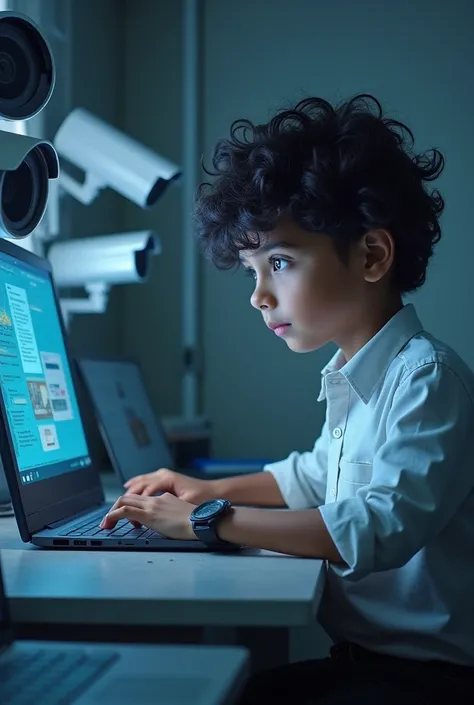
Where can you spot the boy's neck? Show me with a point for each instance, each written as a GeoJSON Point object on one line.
{"type": "Point", "coordinates": [368, 324]}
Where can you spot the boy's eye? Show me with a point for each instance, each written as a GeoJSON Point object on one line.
{"type": "Point", "coordinates": [279, 263]}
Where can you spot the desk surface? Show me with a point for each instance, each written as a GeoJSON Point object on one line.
{"type": "Point", "coordinates": [253, 588]}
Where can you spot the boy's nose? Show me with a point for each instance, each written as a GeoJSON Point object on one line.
{"type": "Point", "coordinates": [262, 299]}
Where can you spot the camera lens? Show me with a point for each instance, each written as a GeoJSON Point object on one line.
{"type": "Point", "coordinates": [26, 69]}
{"type": "Point", "coordinates": [7, 70]}
{"type": "Point", "coordinates": [142, 258]}
{"type": "Point", "coordinates": [24, 195]}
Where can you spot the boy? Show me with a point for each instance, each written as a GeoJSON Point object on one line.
{"type": "Point", "coordinates": [328, 210]}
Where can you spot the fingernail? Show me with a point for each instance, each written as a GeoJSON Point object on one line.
{"type": "Point", "coordinates": [101, 525]}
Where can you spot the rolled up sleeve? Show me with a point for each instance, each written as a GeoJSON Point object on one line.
{"type": "Point", "coordinates": [422, 473]}
{"type": "Point", "coordinates": [302, 477]}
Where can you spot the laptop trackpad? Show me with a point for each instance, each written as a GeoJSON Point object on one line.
{"type": "Point", "coordinates": [147, 690]}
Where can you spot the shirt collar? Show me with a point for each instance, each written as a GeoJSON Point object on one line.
{"type": "Point", "coordinates": [365, 370]}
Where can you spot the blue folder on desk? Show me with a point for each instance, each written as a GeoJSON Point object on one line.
{"type": "Point", "coordinates": [229, 466]}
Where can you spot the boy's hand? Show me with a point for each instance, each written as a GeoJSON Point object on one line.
{"type": "Point", "coordinates": [166, 514]}
{"type": "Point", "coordinates": [186, 488]}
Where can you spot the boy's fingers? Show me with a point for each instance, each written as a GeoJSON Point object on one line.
{"type": "Point", "coordinates": [134, 489]}
{"type": "Point", "coordinates": [137, 479]}
{"type": "Point", "coordinates": [133, 483]}
{"type": "Point", "coordinates": [132, 500]}
{"type": "Point", "coordinates": [149, 491]}
{"type": "Point", "coordinates": [132, 513]}
{"type": "Point", "coordinates": [123, 502]}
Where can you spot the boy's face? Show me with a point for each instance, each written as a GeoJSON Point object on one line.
{"type": "Point", "coordinates": [305, 292]}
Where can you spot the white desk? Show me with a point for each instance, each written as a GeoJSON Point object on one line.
{"type": "Point", "coordinates": [158, 596]}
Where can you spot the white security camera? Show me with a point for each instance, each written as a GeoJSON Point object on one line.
{"type": "Point", "coordinates": [27, 77]}
{"type": "Point", "coordinates": [96, 263]}
{"type": "Point", "coordinates": [105, 259]}
{"type": "Point", "coordinates": [111, 159]}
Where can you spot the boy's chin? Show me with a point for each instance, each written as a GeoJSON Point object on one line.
{"type": "Point", "coordinates": [302, 346]}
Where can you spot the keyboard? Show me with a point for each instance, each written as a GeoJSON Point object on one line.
{"type": "Point", "coordinates": [90, 528]}
{"type": "Point", "coordinates": [44, 677]}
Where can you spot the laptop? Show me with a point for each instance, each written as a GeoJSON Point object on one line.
{"type": "Point", "coordinates": [6, 509]}
{"type": "Point", "coordinates": [68, 673]}
{"type": "Point", "coordinates": [53, 482]}
{"type": "Point", "coordinates": [133, 436]}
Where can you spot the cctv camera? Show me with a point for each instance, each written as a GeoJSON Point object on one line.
{"type": "Point", "coordinates": [27, 76]}
{"type": "Point", "coordinates": [106, 259]}
{"type": "Point", "coordinates": [26, 165]}
{"type": "Point", "coordinates": [27, 72]}
{"type": "Point", "coordinates": [111, 159]}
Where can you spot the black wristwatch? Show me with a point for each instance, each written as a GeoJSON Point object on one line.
{"type": "Point", "coordinates": [205, 518]}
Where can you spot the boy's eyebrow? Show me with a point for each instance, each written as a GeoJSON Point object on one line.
{"type": "Point", "coordinates": [266, 247]}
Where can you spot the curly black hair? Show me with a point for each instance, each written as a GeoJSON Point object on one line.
{"type": "Point", "coordinates": [340, 170]}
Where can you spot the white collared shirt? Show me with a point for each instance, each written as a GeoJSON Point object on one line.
{"type": "Point", "coordinates": [393, 475]}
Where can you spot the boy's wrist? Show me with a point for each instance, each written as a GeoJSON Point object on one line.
{"type": "Point", "coordinates": [217, 489]}
{"type": "Point", "coordinates": [226, 527]}
{"type": "Point", "coordinates": [254, 489]}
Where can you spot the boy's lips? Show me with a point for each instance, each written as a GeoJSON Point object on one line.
{"type": "Point", "coordinates": [279, 328]}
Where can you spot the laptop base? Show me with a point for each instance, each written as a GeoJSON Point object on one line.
{"type": "Point", "coordinates": [158, 544]}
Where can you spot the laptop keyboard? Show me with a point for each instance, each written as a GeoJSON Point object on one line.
{"type": "Point", "coordinates": [45, 677]}
{"type": "Point", "coordinates": [90, 528]}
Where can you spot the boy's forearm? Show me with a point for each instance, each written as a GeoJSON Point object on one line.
{"type": "Point", "coordinates": [298, 533]}
{"type": "Point", "coordinates": [259, 489]}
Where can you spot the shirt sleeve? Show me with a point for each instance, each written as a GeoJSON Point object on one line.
{"type": "Point", "coordinates": [302, 477]}
{"type": "Point", "coordinates": [421, 475]}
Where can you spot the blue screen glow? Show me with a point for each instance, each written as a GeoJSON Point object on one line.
{"type": "Point", "coordinates": [35, 378]}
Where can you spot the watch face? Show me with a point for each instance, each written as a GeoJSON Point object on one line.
{"type": "Point", "coordinates": [208, 509]}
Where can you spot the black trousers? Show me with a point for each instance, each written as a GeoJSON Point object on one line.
{"type": "Point", "coordinates": [355, 676]}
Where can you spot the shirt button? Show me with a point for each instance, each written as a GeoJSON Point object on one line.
{"type": "Point", "coordinates": [337, 433]}
{"type": "Point", "coordinates": [333, 492]}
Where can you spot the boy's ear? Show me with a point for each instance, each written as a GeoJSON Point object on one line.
{"type": "Point", "coordinates": [379, 253]}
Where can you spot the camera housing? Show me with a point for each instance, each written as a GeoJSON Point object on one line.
{"type": "Point", "coordinates": [27, 78]}
{"type": "Point", "coordinates": [97, 263]}
{"type": "Point", "coordinates": [104, 259]}
{"type": "Point", "coordinates": [110, 159]}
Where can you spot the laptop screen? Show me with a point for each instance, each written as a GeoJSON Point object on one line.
{"type": "Point", "coordinates": [132, 434]}
{"type": "Point", "coordinates": [41, 409]}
